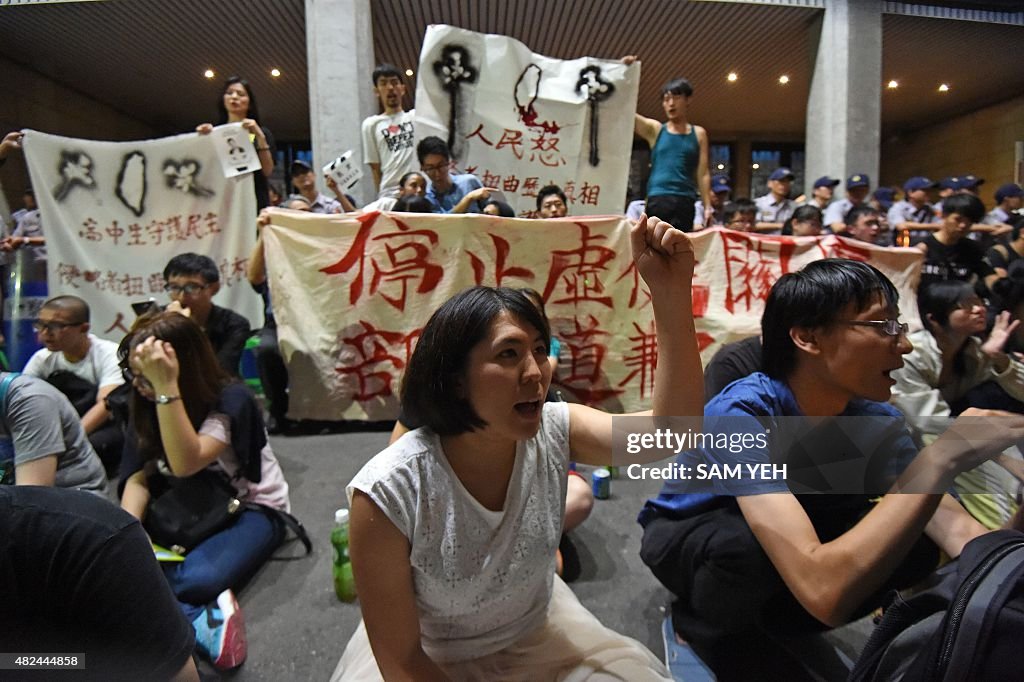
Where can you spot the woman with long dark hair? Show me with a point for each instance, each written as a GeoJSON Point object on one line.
{"type": "Point", "coordinates": [237, 104]}
{"type": "Point", "coordinates": [188, 417]}
{"type": "Point", "coordinates": [938, 380]}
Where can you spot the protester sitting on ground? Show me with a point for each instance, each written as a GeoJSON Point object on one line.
{"type": "Point", "coordinates": [755, 565]}
{"type": "Point", "coordinates": [862, 223]}
{"type": "Point", "coordinates": [740, 215]}
{"type": "Point", "coordinates": [83, 367]}
{"type": "Point", "coordinates": [499, 208]}
{"type": "Point", "coordinates": [190, 418]}
{"type": "Point", "coordinates": [805, 222]}
{"type": "Point", "coordinates": [191, 281]}
{"type": "Point", "coordinates": [42, 441]}
{"type": "Point", "coordinates": [269, 363]}
{"type": "Point", "coordinates": [947, 254]}
{"type": "Point", "coordinates": [939, 378]}
{"type": "Point", "coordinates": [482, 486]}
{"type": "Point", "coordinates": [1001, 256]}
{"type": "Point", "coordinates": [579, 498]}
{"type": "Point", "coordinates": [776, 206]}
{"type": "Point", "coordinates": [86, 585]}
{"type": "Point", "coordinates": [732, 361]}
{"type": "Point", "coordinates": [237, 104]}
{"type": "Point", "coordinates": [551, 202]}
{"type": "Point", "coordinates": [450, 193]}
{"type": "Point", "coordinates": [858, 186]}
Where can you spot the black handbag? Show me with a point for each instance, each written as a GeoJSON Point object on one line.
{"type": "Point", "coordinates": [191, 510]}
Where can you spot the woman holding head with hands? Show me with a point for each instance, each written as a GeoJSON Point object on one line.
{"type": "Point", "coordinates": [237, 104]}
{"type": "Point", "coordinates": [455, 526]}
{"type": "Point", "coordinates": [188, 417]}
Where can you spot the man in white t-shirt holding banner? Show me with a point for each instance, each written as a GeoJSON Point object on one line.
{"type": "Point", "coordinates": [388, 137]}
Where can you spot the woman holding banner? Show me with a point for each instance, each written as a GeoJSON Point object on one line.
{"type": "Point", "coordinates": [454, 527]}
{"type": "Point", "coordinates": [237, 104]}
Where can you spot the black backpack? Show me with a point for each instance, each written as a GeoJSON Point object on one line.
{"type": "Point", "coordinates": [969, 626]}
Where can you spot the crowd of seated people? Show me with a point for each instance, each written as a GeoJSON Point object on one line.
{"type": "Point", "coordinates": [832, 343]}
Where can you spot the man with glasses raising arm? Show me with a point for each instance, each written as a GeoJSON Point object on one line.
{"type": "Point", "coordinates": [191, 281]}
{"type": "Point", "coordinates": [755, 560]}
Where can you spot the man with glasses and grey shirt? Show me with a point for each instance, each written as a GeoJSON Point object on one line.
{"type": "Point", "coordinates": [192, 280]}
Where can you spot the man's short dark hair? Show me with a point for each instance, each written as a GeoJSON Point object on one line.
{"type": "Point", "coordinates": [740, 205]}
{"type": "Point", "coordinates": [385, 71]}
{"type": "Point", "coordinates": [77, 308]}
{"type": "Point", "coordinates": [856, 212]}
{"type": "Point", "coordinates": [967, 205]}
{"type": "Point", "coordinates": [192, 264]}
{"type": "Point", "coordinates": [678, 86]}
{"type": "Point", "coordinates": [432, 389]}
{"type": "Point", "coordinates": [814, 297]}
{"type": "Point", "coordinates": [547, 191]}
{"type": "Point", "coordinates": [432, 145]}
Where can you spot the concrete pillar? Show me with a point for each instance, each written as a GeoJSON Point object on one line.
{"type": "Point", "coordinates": [844, 105]}
{"type": "Point", "coordinates": [340, 59]}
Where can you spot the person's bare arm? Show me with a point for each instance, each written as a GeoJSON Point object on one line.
{"type": "Point", "coordinates": [136, 495]}
{"type": "Point", "coordinates": [380, 563]}
{"type": "Point", "coordinates": [375, 169]}
{"type": "Point", "coordinates": [188, 672]}
{"type": "Point", "coordinates": [41, 471]}
{"type": "Point", "coordinates": [704, 173]}
{"type": "Point", "coordinates": [98, 415]}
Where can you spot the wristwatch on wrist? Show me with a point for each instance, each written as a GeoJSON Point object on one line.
{"type": "Point", "coordinates": [166, 399]}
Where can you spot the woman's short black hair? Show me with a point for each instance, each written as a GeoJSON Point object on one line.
{"type": "Point", "coordinates": [801, 215]}
{"type": "Point", "coordinates": [814, 297]}
{"type": "Point", "coordinates": [432, 386]}
{"type": "Point", "coordinates": [413, 204]}
{"type": "Point", "coordinates": [504, 210]}
{"type": "Point", "coordinates": [254, 109]}
{"type": "Point", "coordinates": [939, 299]}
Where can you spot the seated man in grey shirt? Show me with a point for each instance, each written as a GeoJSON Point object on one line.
{"type": "Point", "coordinates": [41, 438]}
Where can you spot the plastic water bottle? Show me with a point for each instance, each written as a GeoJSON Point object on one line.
{"type": "Point", "coordinates": [344, 583]}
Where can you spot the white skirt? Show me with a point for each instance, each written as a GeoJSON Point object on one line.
{"type": "Point", "coordinates": [570, 646]}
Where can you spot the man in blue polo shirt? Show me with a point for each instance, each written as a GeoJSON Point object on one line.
{"type": "Point", "coordinates": [449, 192]}
{"type": "Point", "coordinates": [752, 561]}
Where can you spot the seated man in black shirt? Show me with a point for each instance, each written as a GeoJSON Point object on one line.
{"type": "Point", "coordinates": [949, 254]}
{"type": "Point", "coordinates": [192, 280]}
{"type": "Point", "coordinates": [81, 578]}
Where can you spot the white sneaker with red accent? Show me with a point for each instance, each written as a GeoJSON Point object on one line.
{"type": "Point", "coordinates": [220, 632]}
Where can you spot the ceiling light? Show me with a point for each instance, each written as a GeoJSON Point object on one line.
{"type": "Point", "coordinates": [892, 85]}
{"type": "Point", "coordinates": [721, 166]}
{"type": "Point", "coordinates": [943, 88]}
{"type": "Point", "coordinates": [732, 77]}
{"type": "Point", "coordinates": [209, 73]}
{"type": "Point", "coordinates": [783, 79]}
{"type": "Point", "coordinates": [756, 166]}
{"type": "Point", "coordinates": [409, 72]}
{"type": "Point", "coordinates": [275, 72]}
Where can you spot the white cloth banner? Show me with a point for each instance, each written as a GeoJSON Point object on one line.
{"type": "Point", "coordinates": [520, 121]}
{"type": "Point", "coordinates": [114, 213]}
{"type": "Point", "coordinates": [352, 293]}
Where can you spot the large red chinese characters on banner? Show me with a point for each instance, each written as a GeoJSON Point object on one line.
{"type": "Point", "coordinates": [352, 293]}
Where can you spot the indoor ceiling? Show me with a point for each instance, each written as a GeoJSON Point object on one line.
{"type": "Point", "coordinates": [146, 58]}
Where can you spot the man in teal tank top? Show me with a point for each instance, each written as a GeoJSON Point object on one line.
{"type": "Point", "coordinates": [679, 159]}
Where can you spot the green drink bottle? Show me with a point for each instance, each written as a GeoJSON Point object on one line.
{"type": "Point", "coordinates": [344, 583]}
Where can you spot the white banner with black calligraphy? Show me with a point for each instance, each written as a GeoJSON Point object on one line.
{"type": "Point", "coordinates": [520, 120]}
{"type": "Point", "coordinates": [114, 213]}
{"type": "Point", "coordinates": [352, 293]}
